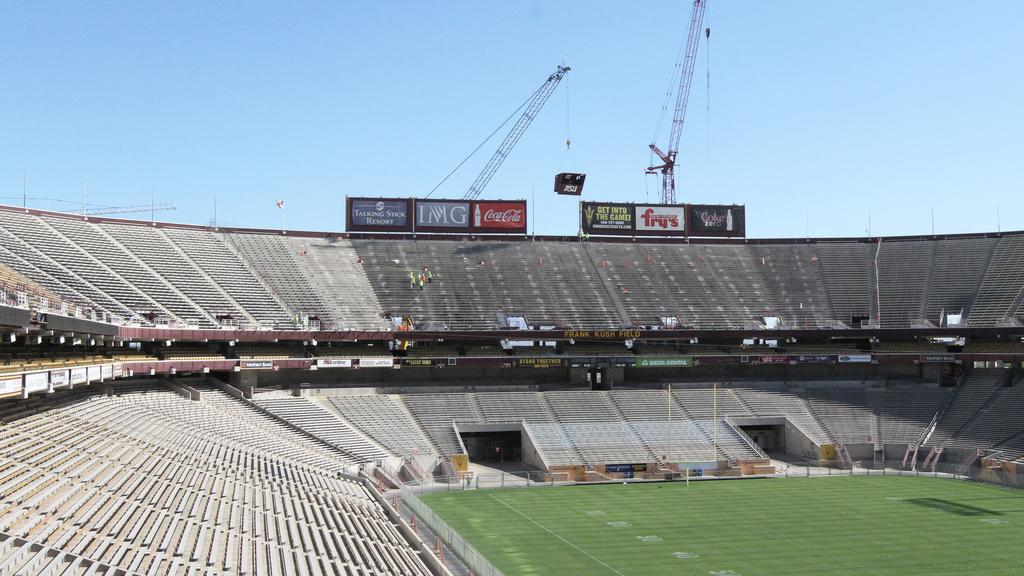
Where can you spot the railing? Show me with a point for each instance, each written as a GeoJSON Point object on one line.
{"type": "Point", "coordinates": [474, 560]}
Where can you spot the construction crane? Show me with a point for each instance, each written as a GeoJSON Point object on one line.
{"type": "Point", "coordinates": [533, 106]}
{"type": "Point", "coordinates": [668, 157]}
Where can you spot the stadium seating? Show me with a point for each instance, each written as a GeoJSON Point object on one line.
{"type": "Point", "coordinates": [207, 277]}
{"type": "Point", "coordinates": [172, 486]}
{"type": "Point", "coordinates": [384, 419]}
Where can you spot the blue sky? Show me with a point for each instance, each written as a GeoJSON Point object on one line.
{"type": "Point", "coordinates": [820, 112]}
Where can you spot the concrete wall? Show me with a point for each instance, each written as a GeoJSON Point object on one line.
{"type": "Point", "coordinates": [531, 456]}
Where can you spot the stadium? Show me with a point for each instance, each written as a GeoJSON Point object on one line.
{"type": "Point", "coordinates": [186, 399]}
{"type": "Point", "coordinates": [436, 389]}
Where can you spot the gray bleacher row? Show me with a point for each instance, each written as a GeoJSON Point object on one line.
{"type": "Point", "coordinates": [385, 419]}
{"type": "Point", "coordinates": [604, 285]}
{"type": "Point", "coordinates": [984, 414]}
{"type": "Point", "coordinates": [320, 422]}
{"type": "Point", "coordinates": [579, 427]}
{"type": "Point", "coordinates": [195, 275]}
{"type": "Point", "coordinates": [130, 270]}
{"type": "Point", "coordinates": [575, 428]}
{"type": "Point", "coordinates": [151, 483]}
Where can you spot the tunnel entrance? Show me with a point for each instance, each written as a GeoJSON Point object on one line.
{"type": "Point", "coordinates": [768, 437]}
{"type": "Point", "coordinates": [493, 446]}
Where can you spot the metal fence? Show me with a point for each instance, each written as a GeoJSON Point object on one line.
{"type": "Point", "coordinates": [474, 560]}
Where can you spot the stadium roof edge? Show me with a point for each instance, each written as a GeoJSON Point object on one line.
{"type": "Point", "coordinates": [497, 237]}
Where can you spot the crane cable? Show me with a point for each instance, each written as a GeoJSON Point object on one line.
{"type": "Point", "coordinates": [672, 82]}
{"type": "Point", "coordinates": [707, 113]}
{"type": "Point", "coordinates": [489, 136]}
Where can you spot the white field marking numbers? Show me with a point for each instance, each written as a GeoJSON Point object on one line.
{"type": "Point", "coordinates": [895, 499]}
{"type": "Point", "coordinates": [995, 521]}
{"type": "Point", "coordinates": [556, 535]}
{"type": "Point", "coordinates": [619, 524]}
{"type": "Point", "coordinates": [594, 512]}
{"type": "Point", "coordinates": [648, 538]}
{"type": "Point", "coordinates": [685, 555]}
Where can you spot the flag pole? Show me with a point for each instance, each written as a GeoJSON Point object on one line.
{"type": "Point", "coordinates": [714, 421]}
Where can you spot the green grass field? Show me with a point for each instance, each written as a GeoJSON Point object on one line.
{"type": "Point", "coordinates": [820, 526]}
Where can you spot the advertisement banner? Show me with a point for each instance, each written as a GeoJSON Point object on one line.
{"type": "Point", "coordinates": [606, 218]}
{"type": "Point", "coordinates": [723, 221]}
{"type": "Point", "coordinates": [499, 216]}
{"type": "Point", "coordinates": [538, 362]}
{"type": "Point", "coordinates": [58, 378]}
{"type": "Point", "coordinates": [37, 381]}
{"type": "Point", "coordinates": [855, 358]}
{"type": "Point", "coordinates": [442, 215]}
{"type": "Point", "coordinates": [333, 362]}
{"type": "Point", "coordinates": [93, 373]}
{"type": "Point", "coordinates": [664, 362]}
{"type": "Point", "coordinates": [376, 362]}
{"type": "Point", "coordinates": [10, 385]}
{"type": "Point", "coordinates": [118, 370]}
{"type": "Point", "coordinates": [812, 359]}
{"type": "Point", "coordinates": [621, 468]}
{"type": "Point", "coordinates": [79, 376]}
{"type": "Point", "coordinates": [774, 359]}
{"type": "Point", "coordinates": [379, 215]}
{"type": "Point", "coordinates": [660, 220]}
{"type": "Point", "coordinates": [256, 364]}
{"type": "Point", "coordinates": [107, 371]}
{"type": "Point", "coordinates": [938, 358]}
{"type": "Point", "coordinates": [423, 362]}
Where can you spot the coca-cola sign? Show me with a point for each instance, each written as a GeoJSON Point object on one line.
{"type": "Point", "coordinates": [717, 220]}
{"type": "Point", "coordinates": [660, 220]}
{"type": "Point", "coordinates": [499, 216]}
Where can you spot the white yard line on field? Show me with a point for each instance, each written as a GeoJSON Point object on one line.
{"type": "Point", "coordinates": [556, 535]}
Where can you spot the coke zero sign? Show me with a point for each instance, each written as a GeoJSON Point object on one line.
{"type": "Point", "coordinates": [499, 216]}
{"type": "Point", "coordinates": [724, 221]}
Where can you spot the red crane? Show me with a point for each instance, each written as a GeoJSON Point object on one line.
{"type": "Point", "coordinates": [668, 158]}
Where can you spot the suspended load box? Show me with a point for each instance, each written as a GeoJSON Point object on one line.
{"type": "Point", "coordinates": [570, 183]}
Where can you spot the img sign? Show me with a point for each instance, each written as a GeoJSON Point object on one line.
{"type": "Point", "coordinates": [660, 220]}
{"type": "Point", "coordinates": [724, 221]}
{"type": "Point", "coordinates": [442, 216]}
{"type": "Point", "coordinates": [379, 215]}
{"type": "Point", "coordinates": [500, 216]}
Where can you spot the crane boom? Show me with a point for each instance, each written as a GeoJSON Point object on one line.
{"type": "Point", "coordinates": [532, 108]}
{"type": "Point", "coordinates": [668, 157]}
